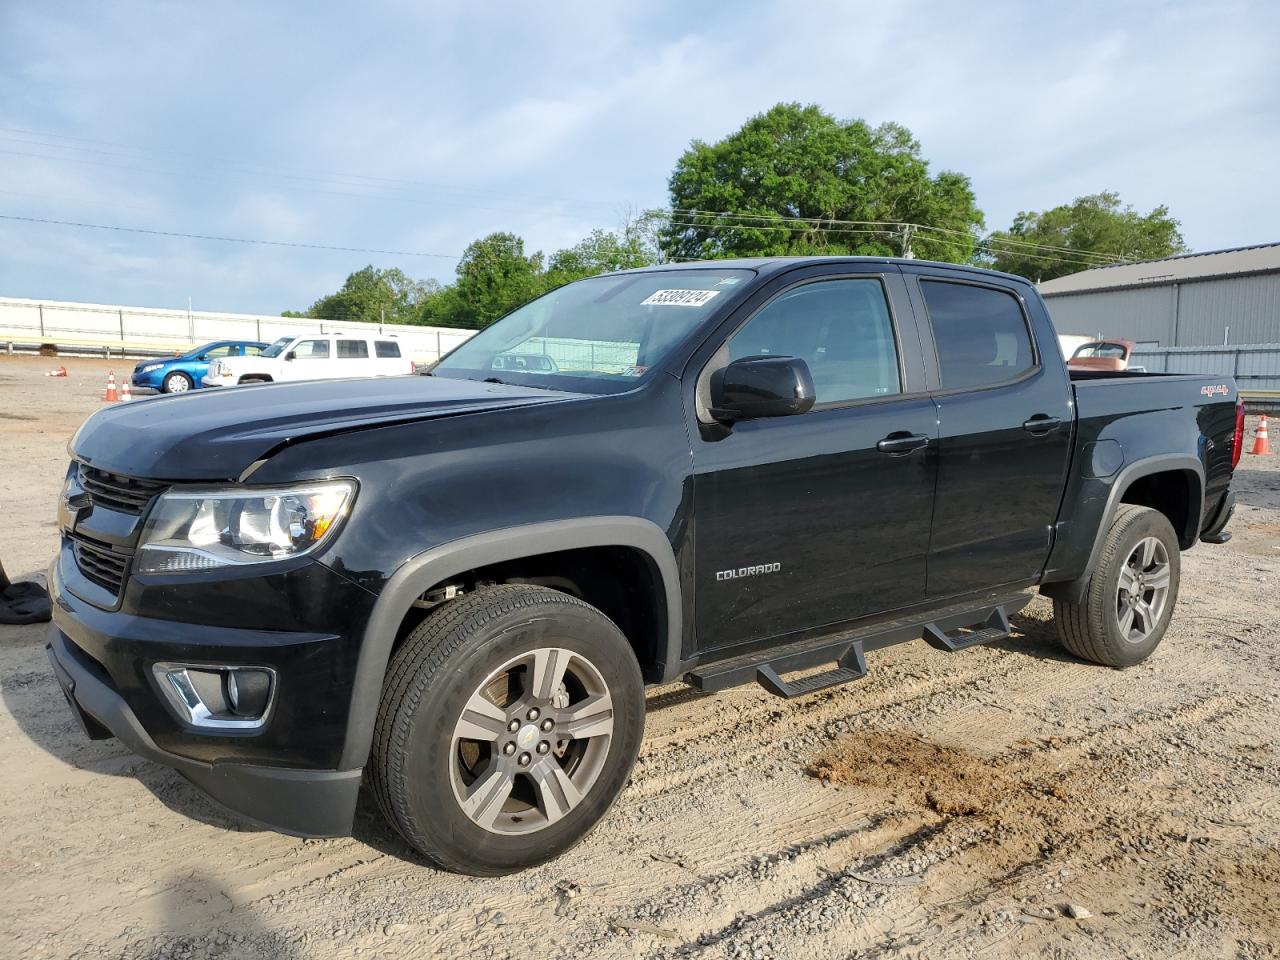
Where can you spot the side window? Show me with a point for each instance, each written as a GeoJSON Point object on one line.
{"type": "Point", "coordinates": [312, 350]}
{"type": "Point", "coordinates": [840, 328]}
{"type": "Point", "coordinates": [252, 350]}
{"type": "Point", "coordinates": [353, 350]}
{"type": "Point", "coordinates": [217, 352]}
{"type": "Point", "coordinates": [387, 349]}
{"type": "Point", "coordinates": [981, 334]}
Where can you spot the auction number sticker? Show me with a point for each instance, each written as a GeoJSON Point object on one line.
{"type": "Point", "coordinates": [679, 298]}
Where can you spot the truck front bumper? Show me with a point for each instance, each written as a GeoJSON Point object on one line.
{"type": "Point", "coordinates": [305, 803]}
{"type": "Point", "coordinates": [287, 775]}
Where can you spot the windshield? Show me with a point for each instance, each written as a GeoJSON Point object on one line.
{"type": "Point", "coordinates": [275, 348]}
{"type": "Point", "coordinates": [1109, 351]}
{"type": "Point", "coordinates": [599, 335]}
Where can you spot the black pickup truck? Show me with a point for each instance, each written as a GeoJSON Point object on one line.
{"type": "Point", "coordinates": [454, 588]}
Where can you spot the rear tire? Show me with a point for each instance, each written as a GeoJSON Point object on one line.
{"type": "Point", "coordinates": [465, 790]}
{"type": "Point", "coordinates": [1131, 594]}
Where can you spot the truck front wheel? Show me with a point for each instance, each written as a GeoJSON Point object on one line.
{"type": "Point", "coordinates": [510, 720]}
{"type": "Point", "coordinates": [1127, 606]}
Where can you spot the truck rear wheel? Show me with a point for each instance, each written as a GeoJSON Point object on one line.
{"type": "Point", "coordinates": [1131, 594]}
{"type": "Point", "coordinates": [510, 720]}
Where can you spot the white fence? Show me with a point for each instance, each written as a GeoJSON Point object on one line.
{"type": "Point", "coordinates": [142, 330]}
{"type": "Point", "coordinates": [1255, 366]}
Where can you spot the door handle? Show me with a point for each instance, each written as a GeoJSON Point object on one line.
{"type": "Point", "coordinates": [1041, 424]}
{"type": "Point", "coordinates": [902, 442]}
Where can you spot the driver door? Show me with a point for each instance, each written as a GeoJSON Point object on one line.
{"type": "Point", "coordinates": [811, 520]}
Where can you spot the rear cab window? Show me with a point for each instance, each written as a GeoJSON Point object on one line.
{"type": "Point", "coordinates": [981, 334]}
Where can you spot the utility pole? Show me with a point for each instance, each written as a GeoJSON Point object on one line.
{"type": "Point", "coordinates": [906, 242]}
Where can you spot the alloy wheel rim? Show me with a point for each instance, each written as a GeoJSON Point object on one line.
{"type": "Point", "coordinates": [531, 741]}
{"type": "Point", "coordinates": [1143, 590]}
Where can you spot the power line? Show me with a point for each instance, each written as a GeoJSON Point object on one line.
{"type": "Point", "coordinates": [887, 225]}
{"type": "Point", "coordinates": [890, 231]}
{"type": "Point", "coordinates": [200, 236]}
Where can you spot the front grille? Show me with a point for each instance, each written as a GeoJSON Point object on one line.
{"type": "Point", "coordinates": [126, 494]}
{"type": "Point", "coordinates": [100, 563]}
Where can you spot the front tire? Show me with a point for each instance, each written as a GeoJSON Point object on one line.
{"type": "Point", "coordinates": [510, 720]}
{"type": "Point", "coordinates": [176, 383]}
{"type": "Point", "coordinates": [1131, 594]}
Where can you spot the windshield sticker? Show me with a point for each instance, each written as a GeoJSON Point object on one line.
{"type": "Point", "coordinates": [679, 298]}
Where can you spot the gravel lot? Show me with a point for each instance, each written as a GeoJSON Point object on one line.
{"type": "Point", "coordinates": [945, 806]}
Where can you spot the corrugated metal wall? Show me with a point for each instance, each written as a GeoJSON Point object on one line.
{"type": "Point", "coordinates": [1244, 309]}
{"type": "Point", "coordinates": [1256, 367]}
{"type": "Point", "coordinates": [1248, 306]}
{"type": "Point", "coordinates": [1144, 314]}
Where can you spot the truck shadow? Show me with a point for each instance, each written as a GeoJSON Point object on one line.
{"type": "Point", "coordinates": [196, 915]}
{"type": "Point", "coordinates": [32, 698]}
{"type": "Point", "coordinates": [1034, 638]}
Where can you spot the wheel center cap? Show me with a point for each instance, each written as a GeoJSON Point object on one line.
{"type": "Point", "coordinates": [527, 738]}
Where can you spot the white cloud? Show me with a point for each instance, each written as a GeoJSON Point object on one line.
{"type": "Point", "coordinates": [465, 118]}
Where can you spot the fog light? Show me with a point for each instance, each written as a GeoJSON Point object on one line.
{"type": "Point", "coordinates": [217, 697]}
{"type": "Point", "coordinates": [248, 691]}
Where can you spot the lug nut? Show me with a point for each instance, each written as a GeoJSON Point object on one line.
{"type": "Point", "coordinates": [532, 714]}
{"type": "Point", "coordinates": [513, 726]}
{"type": "Point", "coordinates": [524, 760]}
{"type": "Point", "coordinates": [543, 747]}
{"type": "Point", "coordinates": [509, 749]}
{"type": "Point", "coordinates": [547, 724]}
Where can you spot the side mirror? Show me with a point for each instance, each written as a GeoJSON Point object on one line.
{"type": "Point", "coordinates": [291, 355]}
{"type": "Point", "coordinates": [756, 387]}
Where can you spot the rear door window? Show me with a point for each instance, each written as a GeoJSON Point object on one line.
{"type": "Point", "coordinates": [387, 349]}
{"type": "Point", "coordinates": [981, 334]}
{"type": "Point", "coordinates": [353, 350]}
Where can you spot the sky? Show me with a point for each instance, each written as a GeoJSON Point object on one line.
{"type": "Point", "coordinates": [415, 128]}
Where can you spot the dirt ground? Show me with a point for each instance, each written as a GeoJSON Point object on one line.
{"type": "Point", "coordinates": [1005, 801]}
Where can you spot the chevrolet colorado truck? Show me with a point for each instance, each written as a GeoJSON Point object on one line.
{"type": "Point", "coordinates": [454, 588]}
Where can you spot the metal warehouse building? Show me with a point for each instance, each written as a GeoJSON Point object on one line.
{"type": "Point", "coordinates": [1226, 297]}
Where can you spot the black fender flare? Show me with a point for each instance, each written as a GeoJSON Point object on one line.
{"type": "Point", "coordinates": [439, 563]}
{"type": "Point", "coordinates": [1073, 590]}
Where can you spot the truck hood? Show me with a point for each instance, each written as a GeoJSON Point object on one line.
{"type": "Point", "coordinates": [216, 434]}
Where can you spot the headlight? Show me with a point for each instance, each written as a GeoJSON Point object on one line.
{"type": "Point", "coordinates": [192, 530]}
{"type": "Point", "coordinates": [151, 366]}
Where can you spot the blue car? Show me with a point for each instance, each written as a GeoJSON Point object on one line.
{"type": "Point", "coordinates": [180, 374]}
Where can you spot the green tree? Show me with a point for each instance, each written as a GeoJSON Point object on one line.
{"type": "Point", "coordinates": [373, 296]}
{"type": "Point", "coordinates": [603, 251]}
{"type": "Point", "coordinates": [494, 277]}
{"type": "Point", "coordinates": [797, 180]}
{"type": "Point", "coordinates": [1083, 233]}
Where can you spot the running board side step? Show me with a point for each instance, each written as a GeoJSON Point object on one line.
{"type": "Point", "coordinates": [985, 622]}
{"type": "Point", "coordinates": [996, 627]}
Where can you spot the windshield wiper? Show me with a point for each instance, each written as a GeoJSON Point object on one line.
{"type": "Point", "coordinates": [494, 380]}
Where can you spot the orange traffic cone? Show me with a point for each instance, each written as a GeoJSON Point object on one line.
{"type": "Point", "coordinates": [1260, 443]}
{"type": "Point", "coordinates": [125, 394]}
{"type": "Point", "coordinates": [111, 396]}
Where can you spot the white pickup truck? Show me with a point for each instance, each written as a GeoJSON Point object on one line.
{"type": "Point", "coordinates": [313, 357]}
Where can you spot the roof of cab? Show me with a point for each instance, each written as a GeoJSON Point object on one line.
{"type": "Point", "coordinates": [769, 265]}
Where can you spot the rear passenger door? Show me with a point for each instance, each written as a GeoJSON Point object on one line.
{"type": "Point", "coordinates": [1005, 420]}
{"type": "Point", "coordinates": [352, 359]}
